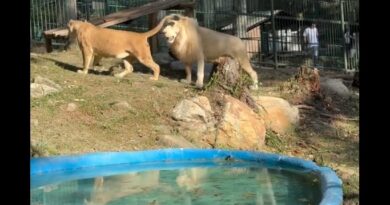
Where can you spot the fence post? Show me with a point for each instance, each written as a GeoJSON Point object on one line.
{"type": "Point", "coordinates": [274, 35]}
{"type": "Point", "coordinates": [343, 33]}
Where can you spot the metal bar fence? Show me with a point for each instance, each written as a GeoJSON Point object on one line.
{"type": "Point", "coordinates": [251, 20]}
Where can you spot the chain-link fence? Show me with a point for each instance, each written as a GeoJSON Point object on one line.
{"type": "Point", "coordinates": [273, 30]}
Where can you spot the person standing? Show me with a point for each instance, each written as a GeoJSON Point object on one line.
{"type": "Point", "coordinates": [311, 40]}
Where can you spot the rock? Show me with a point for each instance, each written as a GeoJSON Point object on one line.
{"type": "Point", "coordinates": [240, 127]}
{"type": "Point", "coordinates": [71, 107]}
{"type": "Point", "coordinates": [194, 120]}
{"type": "Point", "coordinates": [194, 114]}
{"type": "Point", "coordinates": [277, 113]}
{"type": "Point", "coordinates": [176, 141]}
{"type": "Point", "coordinates": [334, 87]}
{"type": "Point", "coordinates": [39, 90]}
{"type": "Point", "coordinates": [121, 105]}
{"type": "Point", "coordinates": [43, 86]}
{"type": "Point", "coordinates": [40, 80]}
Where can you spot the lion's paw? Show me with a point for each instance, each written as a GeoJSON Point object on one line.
{"type": "Point", "coordinates": [118, 75]}
{"type": "Point", "coordinates": [199, 86]}
{"type": "Point", "coordinates": [82, 72]}
{"type": "Point", "coordinates": [185, 81]}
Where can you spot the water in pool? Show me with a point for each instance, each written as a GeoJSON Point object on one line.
{"type": "Point", "coordinates": [190, 186]}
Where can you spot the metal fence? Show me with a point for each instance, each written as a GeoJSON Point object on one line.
{"type": "Point", "coordinates": [272, 29]}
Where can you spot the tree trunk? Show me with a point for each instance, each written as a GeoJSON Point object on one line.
{"type": "Point", "coordinates": [228, 78]}
{"type": "Point", "coordinates": [309, 78]}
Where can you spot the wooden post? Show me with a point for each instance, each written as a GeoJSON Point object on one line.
{"type": "Point", "coordinates": [49, 47]}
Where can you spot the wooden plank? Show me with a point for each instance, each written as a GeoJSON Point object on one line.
{"type": "Point", "coordinates": [183, 6]}
{"type": "Point", "coordinates": [48, 45]}
{"type": "Point", "coordinates": [128, 14]}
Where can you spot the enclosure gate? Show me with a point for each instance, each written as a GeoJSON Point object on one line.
{"type": "Point", "coordinates": [271, 29]}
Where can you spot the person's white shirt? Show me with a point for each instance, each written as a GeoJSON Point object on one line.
{"type": "Point", "coordinates": [347, 37]}
{"type": "Point", "coordinates": [311, 35]}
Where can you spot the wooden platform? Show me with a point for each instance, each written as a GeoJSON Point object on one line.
{"type": "Point", "coordinates": [149, 9]}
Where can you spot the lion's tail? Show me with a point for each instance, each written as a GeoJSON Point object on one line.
{"type": "Point", "coordinates": [157, 28]}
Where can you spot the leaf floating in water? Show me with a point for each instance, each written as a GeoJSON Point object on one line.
{"type": "Point", "coordinates": [229, 158]}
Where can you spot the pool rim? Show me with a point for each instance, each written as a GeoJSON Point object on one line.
{"type": "Point", "coordinates": [331, 184]}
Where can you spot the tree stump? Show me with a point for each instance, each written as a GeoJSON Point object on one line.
{"type": "Point", "coordinates": [309, 78]}
{"type": "Point", "coordinates": [228, 78]}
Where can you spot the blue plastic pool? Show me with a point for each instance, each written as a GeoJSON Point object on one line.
{"type": "Point", "coordinates": [182, 176]}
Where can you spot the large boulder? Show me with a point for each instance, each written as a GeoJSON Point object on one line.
{"type": "Point", "coordinates": [240, 127]}
{"type": "Point", "coordinates": [194, 114]}
{"type": "Point", "coordinates": [195, 121]}
{"type": "Point", "coordinates": [332, 86]}
{"type": "Point", "coordinates": [277, 113]}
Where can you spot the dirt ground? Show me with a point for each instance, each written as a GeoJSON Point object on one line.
{"type": "Point", "coordinates": [327, 134]}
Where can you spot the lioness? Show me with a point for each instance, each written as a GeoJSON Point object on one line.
{"type": "Point", "coordinates": [192, 43]}
{"type": "Point", "coordinates": [100, 42]}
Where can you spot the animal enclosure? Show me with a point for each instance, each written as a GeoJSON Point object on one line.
{"type": "Point", "coordinates": [271, 29]}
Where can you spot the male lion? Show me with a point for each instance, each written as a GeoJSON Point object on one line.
{"type": "Point", "coordinates": [100, 42]}
{"type": "Point", "coordinates": [192, 43]}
